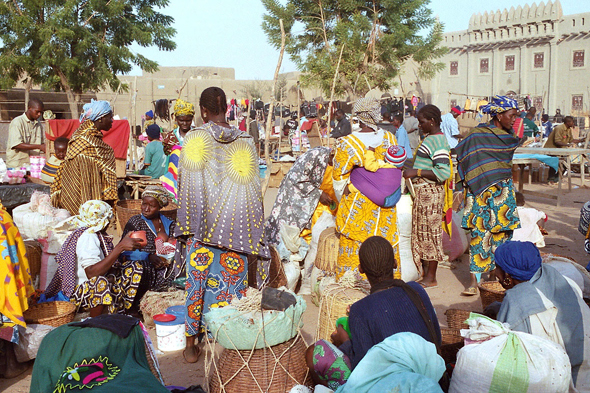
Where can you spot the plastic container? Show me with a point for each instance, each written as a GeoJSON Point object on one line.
{"type": "Point", "coordinates": [170, 332]}
{"type": "Point", "coordinates": [178, 311]}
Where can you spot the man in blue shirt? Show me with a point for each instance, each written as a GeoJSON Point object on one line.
{"type": "Point", "coordinates": [450, 127]}
{"type": "Point", "coordinates": [547, 125]}
{"type": "Point", "coordinates": [401, 135]}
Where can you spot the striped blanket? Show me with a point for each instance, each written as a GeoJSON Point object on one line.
{"type": "Point", "coordinates": [170, 179]}
{"type": "Point", "coordinates": [485, 157]}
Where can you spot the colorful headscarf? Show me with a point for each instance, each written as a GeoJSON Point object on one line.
{"type": "Point", "coordinates": [93, 214]}
{"type": "Point", "coordinates": [183, 108]}
{"type": "Point", "coordinates": [499, 104]}
{"type": "Point", "coordinates": [95, 110]}
{"type": "Point", "coordinates": [159, 193]}
{"type": "Point", "coordinates": [519, 259]}
{"type": "Point", "coordinates": [368, 111]}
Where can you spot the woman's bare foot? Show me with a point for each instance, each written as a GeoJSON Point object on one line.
{"type": "Point", "coordinates": [192, 353]}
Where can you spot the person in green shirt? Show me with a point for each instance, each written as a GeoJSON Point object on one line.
{"type": "Point", "coordinates": [530, 128]}
{"type": "Point", "coordinates": [155, 163]}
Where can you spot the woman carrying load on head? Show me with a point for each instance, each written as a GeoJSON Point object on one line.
{"type": "Point", "coordinates": [220, 212]}
{"type": "Point", "coordinates": [485, 167]}
{"type": "Point", "coordinates": [88, 170]}
{"type": "Point", "coordinates": [359, 216]}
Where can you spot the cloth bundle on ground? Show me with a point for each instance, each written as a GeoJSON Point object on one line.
{"type": "Point", "coordinates": [497, 359]}
{"type": "Point", "coordinates": [240, 325]}
{"type": "Point", "coordinates": [36, 218]}
{"type": "Point", "coordinates": [404, 362]}
{"type": "Point", "coordinates": [72, 358]}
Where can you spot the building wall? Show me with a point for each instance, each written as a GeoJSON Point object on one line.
{"type": "Point", "coordinates": [525, 33]}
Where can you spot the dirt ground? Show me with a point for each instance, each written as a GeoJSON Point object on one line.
{"type": "Point", "coordinates": [563, 239]}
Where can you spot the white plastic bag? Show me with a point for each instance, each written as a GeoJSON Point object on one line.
{"type": "Point", "coordinates": [29, 341]}
{"type": "Point", "coordinates": [404, 228]}
{"type": "Point", "coordinates": [501, 360]}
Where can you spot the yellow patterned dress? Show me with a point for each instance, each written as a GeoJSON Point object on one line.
{"type": "Point", "coordinates": [358, 218]}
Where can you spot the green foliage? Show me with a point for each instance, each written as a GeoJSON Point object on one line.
{"type": "Point", "coordinates": [79, 45]}
{"type": "Point", "coordinates": [378, 37]}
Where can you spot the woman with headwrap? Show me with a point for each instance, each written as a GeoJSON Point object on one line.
{"type": "Point", "coordinates": [358, 216]}
{"type": "Point", "coordinates": [184, 112]}
{"type": "Point", "coordinates": [89, 272]}
{"type": "Point", "coordinates": [220, 213]}
{"type": "Point", "coordinates": [88, 170]}
{"type": "Point", "coordinates": [541, 301]}
{"type": "Point", "coordinates": [485, 166]}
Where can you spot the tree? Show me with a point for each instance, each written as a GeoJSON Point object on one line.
{"type": "Point", "coordinates": [79, 46]}
{"type": "Point", "coordinates": [378, 37]}
{"type": "Point", "coordinates": [255, 89]}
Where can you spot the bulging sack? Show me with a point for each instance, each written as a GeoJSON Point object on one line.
{"type": "Point", "coordinates": [496, 359]}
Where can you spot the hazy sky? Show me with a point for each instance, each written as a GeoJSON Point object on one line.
{"type": "Point", "coordinates": [227, 33]}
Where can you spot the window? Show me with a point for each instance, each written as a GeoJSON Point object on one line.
{"type": "Point", "coordinates": [484, 66]}
{"type": "Point", "coordinates": [577, 103]}
{"type": "Point", "coordinates": [509, 66]}
{"type": "Point", "coordinates": [578, 58]}
{"type": "Point", "coordinates": [454, 68]}
{"type": "Point", "coordinates": [538, 103]}
{"type": "Point", "coordinates": [539, 60]}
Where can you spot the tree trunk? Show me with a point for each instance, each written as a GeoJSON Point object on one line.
{"type": "Point", "coordinates": [28, 87]}
{"type": "Point", "coordinates": [72, 102]}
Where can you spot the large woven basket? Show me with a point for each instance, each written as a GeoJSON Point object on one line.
{"type": "Point", "coordinates": [333, 305]}
{"type": "Point", "coordinates": [51, 313]}
{"type": "Point", "coordinates": [452, 342]}
{"type": "Point", "coordinates": [327, 257]}
{"type": "Point", "coordinates": [456, 318]}
{"type": "Point", "coordinates": [491, 291]}
{"type": "Point", "coordinates": [128, 208]}
{"type": "Point", "coordinates": [275, 370]}
{"type": "Point", "coordinates": [34, 252]}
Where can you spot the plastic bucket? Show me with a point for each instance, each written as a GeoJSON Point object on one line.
{"type": "Point", "coordinates": [170, 332]}
{"type": "Point", "coordinates": [177, 311]}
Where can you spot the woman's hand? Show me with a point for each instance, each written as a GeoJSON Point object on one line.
{"type": "Point", "coordinates": [129, 244]}
{"type": "Point", "coordinates": [409, 173]}
{"type": "Point", "coordinates": [339, 336]}
{"type": "Point", "coordinates": [325, 199]}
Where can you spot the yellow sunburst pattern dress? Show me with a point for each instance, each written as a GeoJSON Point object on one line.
{"type": "Point", "coordinates": [358, 218]}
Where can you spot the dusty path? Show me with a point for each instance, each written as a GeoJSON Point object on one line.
{"type": "Point", "coordinates": [563, 239]}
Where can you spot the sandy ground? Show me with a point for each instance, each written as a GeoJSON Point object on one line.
{"type": "Point", "coordinates": [563, 239]}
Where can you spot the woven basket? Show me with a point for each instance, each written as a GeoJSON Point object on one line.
{"type": "Point", "coordinates": [276, 274]}
{"type": "Point", "coordinates": [491, 291]}
{"type": "Point", "coordinates": [34, 252]}
{"type": "Point", "coordinates": [128, 208]}
{"type": "Point", "coordinates": [327, 257]}
{"type": "Point", "coordinates": [333, 305]}
{"type": "Point", "coordinates": [275, 370]}
{"type": "Point", "coordinates": [456, 318]}
{"type": "Point", "coordinates": [51, 313]}
{"type": "Point", "coordinates": [452, 342]}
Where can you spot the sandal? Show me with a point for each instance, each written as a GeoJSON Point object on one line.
{"type": "Point", "coordinates": [427, 286]}
{"type": "Point", "coordinates": [471, 291]}
{"type": "Point", "coordinates": [447, 265]}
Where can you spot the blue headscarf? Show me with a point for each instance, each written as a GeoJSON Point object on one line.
{"type": "Point", "coordinates": [153, 131]}
{"type": "Point", "coordinates": [499, 104]}
{"type": "Point", "coordinates": [95, 110]}
{"type": "Point", "coordinates": [519, 259]}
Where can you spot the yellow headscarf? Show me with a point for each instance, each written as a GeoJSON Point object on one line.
{"type": "Point", "coordinates": [183, 108]}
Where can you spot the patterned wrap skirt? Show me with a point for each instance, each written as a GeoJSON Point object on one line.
{"type": "Point", "coordinates": [214, 277]}
{"type": "Point", "coordinates": [427, 215]}
{"type": "Point", "coordinates": [330, 364]}
{"type": "Point", "coordinates": [116, 290]}
{"type": "Point", "coordinates": [491, 217]}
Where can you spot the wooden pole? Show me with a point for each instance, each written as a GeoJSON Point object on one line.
{"type": "Point", "coordinates": [271, 111]}
{"type": "Point", "coordinates": [134, 147]}
{"type": "Point", "coordinates": [130, 113]}
{"type": "Point", "coordinates": [332, 95]}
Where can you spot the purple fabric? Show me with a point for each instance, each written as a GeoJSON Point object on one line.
{"type": "Point", "coordinates": [377, 186]}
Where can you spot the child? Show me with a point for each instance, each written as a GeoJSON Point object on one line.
{"type": "Point", "coordinates": [155, 161]}
{"type": "Point", "coordinates": [50, 169]}
{"type": "Point", "coordinates": [165, 245]}
{"type": "Point", "coordinates": [532, 222]}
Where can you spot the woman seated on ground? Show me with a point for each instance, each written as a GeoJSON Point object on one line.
{"type": "Point", "coordinates": [392, 307]}
{"type": "Point", "coordinates": [541, 301]}
{"type": "Point", "coordinates": [158, 229]}
{"type": "Point", "coordinates": [89, 272]}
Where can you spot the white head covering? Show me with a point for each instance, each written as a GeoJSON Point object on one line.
{"type": "Point", "coordinates": [93, 214]}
